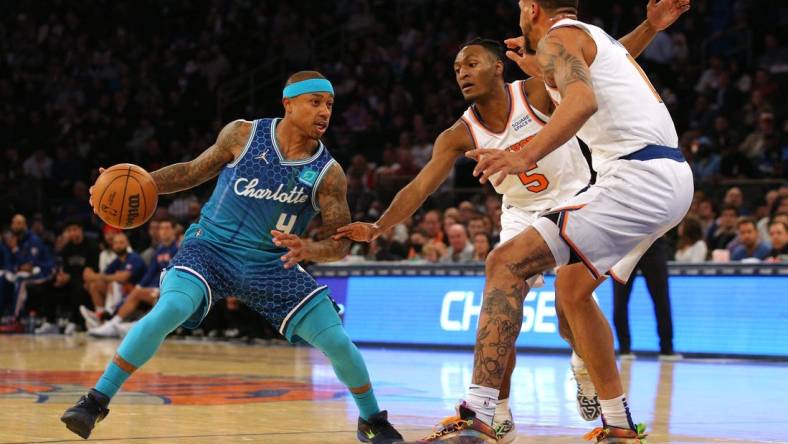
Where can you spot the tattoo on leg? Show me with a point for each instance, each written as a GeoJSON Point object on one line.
{"type": "Point", "coordinates": [536, 262]}
{"type": "Point", "coordinates": [494, 340]}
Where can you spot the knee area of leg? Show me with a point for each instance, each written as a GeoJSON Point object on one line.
{"type": "Point", "coordinates": [333, 341]}
{"type": "Point", "coordinates": [571, 297]}
{"type": "Point", "coordinates": [494, 261]}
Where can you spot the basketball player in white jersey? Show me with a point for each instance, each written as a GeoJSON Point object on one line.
{"type": "Point", "coordinates": [644, 187]}
{"type": "Point", "coordinates": [506, 117]}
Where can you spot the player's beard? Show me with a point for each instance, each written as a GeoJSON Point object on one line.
{"type": "Point", "coordinates": [529, 48]}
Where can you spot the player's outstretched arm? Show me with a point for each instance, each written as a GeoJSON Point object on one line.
{"type": "Point", "coordinates": [334, 213]}
{"type": "Point", "coordinates": [562, 60]}
{"type": "Point", "coordinates": [449, 146]}
{"type": "Point", "coordinates": [660, 14]}
{"type": "Point", "coordinates": [185, 175]}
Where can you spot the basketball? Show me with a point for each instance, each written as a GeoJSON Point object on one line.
{"type": "Point", "coordinates": [125, 196]}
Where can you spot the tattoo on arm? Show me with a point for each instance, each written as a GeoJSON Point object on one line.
{"type": "Point", "coordinates": [185, 175]}
{"type": "Point", "coordinates": [559, 66]}
{"type": "Point", "coordinates": [335, 213]}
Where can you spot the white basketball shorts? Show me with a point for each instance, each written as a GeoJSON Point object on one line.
{"type": "Point", "coordinates": [612, 224]}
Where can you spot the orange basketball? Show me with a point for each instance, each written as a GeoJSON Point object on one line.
{"type": "Point", "coordinates": [125, 196]}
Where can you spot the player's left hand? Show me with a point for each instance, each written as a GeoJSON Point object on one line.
{"type": "Point", "coordinates": [515, 51]}
{"type": "Point", "coordinates": [296, 245]}
{"type": "Point", "coordinates": [662, 13]}
{"type": "Point", "coordinates": [493, 161]}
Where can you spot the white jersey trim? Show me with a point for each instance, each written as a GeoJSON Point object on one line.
{"type": "Point", "coordinates": [246, 147]}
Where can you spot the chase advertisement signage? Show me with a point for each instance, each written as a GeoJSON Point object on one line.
{"type": "Point", "coordinates": [736, 315]}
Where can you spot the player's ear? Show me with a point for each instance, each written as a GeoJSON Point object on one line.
{"type": "Point", "coordinates": [499, 67]}
{"type": "Point", "coordinates": [288, 105]}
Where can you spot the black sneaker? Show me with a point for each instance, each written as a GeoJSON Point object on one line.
{"type": "Point", "coordinates": [81, 418]}
{"type": "Point", "coordinates": [377, 430]}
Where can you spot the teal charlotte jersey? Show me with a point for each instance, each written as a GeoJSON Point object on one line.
{"type": "Point", "coordinates": [231, 249]}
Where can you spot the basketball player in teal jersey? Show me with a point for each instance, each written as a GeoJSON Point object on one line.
{"type": "Point", "coordinates": [503, 116]}
{"type": "Point", "coordinates": [275, 175]}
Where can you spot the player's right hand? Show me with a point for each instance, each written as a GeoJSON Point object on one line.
{"type": "Point", "coordinates": [358, 232]}
{"type": "Point", "coordinates": [90, 200]}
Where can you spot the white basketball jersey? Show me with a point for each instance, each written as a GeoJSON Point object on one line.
{"type": "Point", "coordinates": [630, 112]}
{"type": "Point", "coordinates": [557, 177]}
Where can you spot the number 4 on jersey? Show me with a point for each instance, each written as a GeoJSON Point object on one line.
{"type": "Point", "coordinates": [286, 222]}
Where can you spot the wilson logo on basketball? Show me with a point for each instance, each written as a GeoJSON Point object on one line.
{"type": "Point", "coordinates": [134, 209]}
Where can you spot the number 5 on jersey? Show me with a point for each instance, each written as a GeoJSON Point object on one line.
{"type": "Point", "coordinates": [535, 182]}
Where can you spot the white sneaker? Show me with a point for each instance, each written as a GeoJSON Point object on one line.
{"type": "Point", "coordinates": [627, 357]}
{"type": "Point", "coordinates": [587, 399]}
{"type": "Point", "coordinates": [70, 329]}
{"type": "Point", "coordinates": [47, 329]}
{"type": "Point", "coordinates": [505, 429]}
{"type": "Point", "coordinates": [106, 330]}
{"type": "Point", "coordinates": [91, 319]}
{"type": "Point", "coordinates": [124, 327]}
{"type": "Point", "coordinates": [673, 357]}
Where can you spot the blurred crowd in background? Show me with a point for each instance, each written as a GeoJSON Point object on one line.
{"type": "Point", "coordinates": [84, 85]}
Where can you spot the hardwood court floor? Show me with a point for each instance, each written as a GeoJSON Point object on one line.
{"type": "Point", "coordinates": [207, 392]}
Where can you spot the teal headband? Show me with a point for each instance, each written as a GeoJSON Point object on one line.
{"type": "Point", "coordinates": [306, 87]}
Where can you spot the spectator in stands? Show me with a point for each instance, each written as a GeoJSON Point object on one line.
{"type": "Point", "coordinates": [6, 289]}
{"type": "Point", "coordinates": [778, 234]}
{"type": "Point", "coordinates": [146, 292]}
{"type": "Point", "coordinates": [705, 214]}
{"type": "Point", "coordinates": [750, 244]}
{"type": "Point", "coordinates": [723, 230]}
{"type": "Point", "coordinates": [706, 162]}
{"type": "Point", "coordinates": [477, 225]}
{"type": "Point", "coordinates": [66, 292]}
{"type": "Point", "coordinates": [153, 234]}
{"type": "Point", "coordinates": [691, 246]}
{"type": "Point", "coordinates": [460, 250]}
{"type": "Point", "coordinates": [451, 216]}
{"type": "Point", "coordinates": [431, 224]}
{"type": "Point", "coordinates": [735, 198]}
{"type": "Point", "coordinates": [31, 265]}
{"type": "Point", "coordinates": [757, 144]}
{"type": "Point", "coordinates": [127, 270]}
{"type": "Point", "coordinates": [482, 244]}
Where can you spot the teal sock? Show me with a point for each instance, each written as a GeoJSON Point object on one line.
{"type": "Point", "coordinates": [322, 328]}
{"type": "Point", "coordinates": [111, 380]}
{"type": "Point", "coordinates": [181, 294]}
{"type": "Point", "coordinates": [367, 404]}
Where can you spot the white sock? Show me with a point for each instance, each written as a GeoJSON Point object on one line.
{"type": "Point", "coordinates": [577, 361]}
{"type": "Point", "coordinates": [116, 319]}
{"type": "Point", "coordinates": [482, 400]}
{"type": "Point", "coordinates": [502, 410]}
{"type": "Point", "coordinates": [615, 412]}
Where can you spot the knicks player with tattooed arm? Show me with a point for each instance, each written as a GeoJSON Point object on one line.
{"type": "Point", "coordinates": [644, 187]}
{"type": "Point", "coordinates": [506, 117]}
{"type": "Point", "coordinates": [275, 175]}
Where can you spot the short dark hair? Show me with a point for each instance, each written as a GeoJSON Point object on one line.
{"type": "Point", "coordinates": [747, 221]}
{"type": "Point", "coordinates": [492, 46]}
{"type": "Point", "coordinates": [167, 219]}
{"type": "Point", "coordinates": [304, 75]}
{"type": "Point", "coordinates": [692, 230]}
{"type": "Point", "coordinates": [731, 208]}
{"type": "Point", "coordinates": [554, 5]}
{"type": "Point", "coordinates": [779, 222]}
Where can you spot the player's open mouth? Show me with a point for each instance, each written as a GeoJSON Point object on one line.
{"type": "Point", "coordinates": [466, 86]}
{"type": "Point", "coordinates": [322, 126]}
